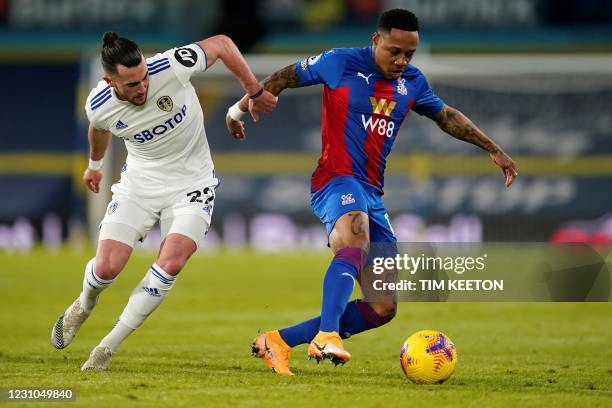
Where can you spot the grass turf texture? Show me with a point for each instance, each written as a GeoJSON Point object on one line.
{"type": "Point", "coordinates": [194, 350]}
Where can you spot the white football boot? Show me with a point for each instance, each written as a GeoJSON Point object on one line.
{"type": "Point", "coordinates": [98, 359]}
{"type": "Point", "coordinates": [67, 325]}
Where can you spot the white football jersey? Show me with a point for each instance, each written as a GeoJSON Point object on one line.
{"type": "Point", "coordinates": [165, 137]}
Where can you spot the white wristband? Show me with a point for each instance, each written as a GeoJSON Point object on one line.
{"type": "Point", "coordinates": [235, 112]}
{"type": "Point", "coordinates": [95, 164]}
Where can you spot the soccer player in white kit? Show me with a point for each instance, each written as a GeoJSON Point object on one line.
{"type": "Point", "coordinates": [168, 176]}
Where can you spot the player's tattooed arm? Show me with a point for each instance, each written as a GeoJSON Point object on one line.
{"type": "Point", "coordinates": [461, 127]}
{"type": "Point", "coordinates": [276, 82]}
{"type": "Point", "coordinates": [282, 79]}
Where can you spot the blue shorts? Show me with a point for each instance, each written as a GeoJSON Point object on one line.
{"type": "Point", "coordinates": [344, 194]}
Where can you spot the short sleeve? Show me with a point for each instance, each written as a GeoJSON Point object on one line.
{"type": "Point", "coordinates": [426, 101]}
{"type": "Point", "coordinates": [325, 68]}
{"type": "Point", "coordinates": [94, 101]}
{"type": "Point", "coordinates": [185, 61]}
{"type": "Point", "coordinates": [92, 119]}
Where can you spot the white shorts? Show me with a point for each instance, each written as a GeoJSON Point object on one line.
{"type": "Point", "coordinates": [130, 216]}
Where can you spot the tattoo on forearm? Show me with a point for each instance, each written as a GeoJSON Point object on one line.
{"type": "Point", "coordinates": [281, 79]}
{"type": "Point", "coordinates": [275, 83]}
{"type": "Point", "coordinates": [358, 224]}
{"type": "Point", "coordinates": [459, 126]}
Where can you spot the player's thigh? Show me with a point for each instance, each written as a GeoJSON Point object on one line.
{"type": "Point", "coordinates": [174, 252]}
{"type": "Point", "coordinates": [381, 230]}
{"type": "Point", "coordinates": [189, 214]}
{"type": "Point", "coordinates": [111, 257]}
{"type": "Point", "coordinates": [127, 219]}
{"type": "Point", "coordinates": [350, 230]}
{"type": "Point", "coordinates": [342, 206]}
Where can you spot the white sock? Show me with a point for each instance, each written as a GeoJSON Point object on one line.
{"type": "Point", "coordinates": [116, 336]}
{"type": "Point", "coordinates": [92, 286]}
{"type": "Point", "coordinates": [145, 298]}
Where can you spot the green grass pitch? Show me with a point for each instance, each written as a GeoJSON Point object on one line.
{"type": "Point", "coordinates": [195, 349]}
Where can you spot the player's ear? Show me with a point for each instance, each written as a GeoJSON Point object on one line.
{"type": "Point", "coordinates": [107, 79]}
{"type": "Point", "coordinates": [375, 38]}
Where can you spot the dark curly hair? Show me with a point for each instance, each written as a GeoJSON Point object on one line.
{"type": "Point", "coordinates": [398, 18]}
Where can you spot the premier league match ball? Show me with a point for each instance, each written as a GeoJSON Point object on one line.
{"type": "Point", "coordinates": [428, 357]}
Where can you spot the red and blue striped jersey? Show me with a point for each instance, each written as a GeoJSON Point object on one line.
{"type": "Point", "coordinates": [362, 112]}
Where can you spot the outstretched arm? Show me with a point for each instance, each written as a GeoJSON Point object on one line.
{"type": "Point", "coordinates": [459, 126]}
{"type": "Point", "coordinates": [223, 48]}
{"type": "Point", "coordinates": [275, 83]}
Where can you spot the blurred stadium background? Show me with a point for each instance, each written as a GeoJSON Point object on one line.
{"type": "Point", "coordinates": [534, 74]}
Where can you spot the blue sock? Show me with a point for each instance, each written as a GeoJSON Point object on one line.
{"type": "Point", "coordinates": [338, 286]}
{"type": "Point", "coordinates": [351, 323]}
{"type": "Point", "coordinates": [301, 333]}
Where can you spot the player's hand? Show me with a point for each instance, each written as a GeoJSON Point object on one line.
{"type": "Point", "coordinates": [507, 165]}
{"type": "Point", "coordinates": [92, 179]}
{"type": "Point", "coordinates": [235, 128]}
{"type": "Point", "coordinates": [264, 103]}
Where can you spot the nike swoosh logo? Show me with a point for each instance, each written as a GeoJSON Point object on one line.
{"type": "Point", "coordinates": [318, 347]}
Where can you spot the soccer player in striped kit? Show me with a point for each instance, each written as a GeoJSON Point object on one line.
{"type": "Point", "coordinates": [367, 94]}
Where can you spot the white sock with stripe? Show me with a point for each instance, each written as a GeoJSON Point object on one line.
{"type": "Point", "coordinates": [92, 286]}
{"type": "Point", "coordinates": [145, 298]}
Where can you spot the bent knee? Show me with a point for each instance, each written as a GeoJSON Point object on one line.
{"type": "Point", "coordinates": [111, 257]}
{"type": "Point", "coordinates": [171, 266]}
{"type": "Point", "coordinates": [351, 242]}
{"type": "Point", "coordinates": [341, 238]}
{"type": "Point", "coordinates": [108, 267]}
{"type": "Point", "coordinates": [385, 310]}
